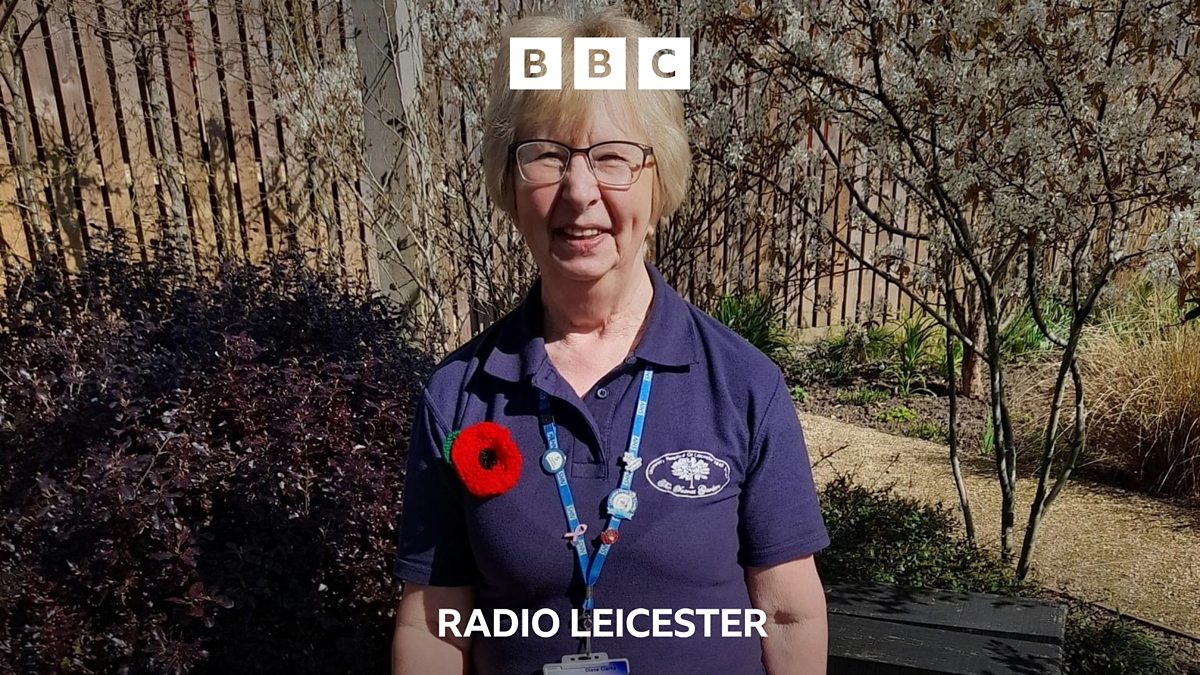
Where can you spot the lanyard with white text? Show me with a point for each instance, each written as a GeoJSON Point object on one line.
{"type": "Point", "coordinates": [622, 502]}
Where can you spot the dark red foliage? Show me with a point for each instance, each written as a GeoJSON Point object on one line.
{"type": "Point", "coordinates": [199, 476]}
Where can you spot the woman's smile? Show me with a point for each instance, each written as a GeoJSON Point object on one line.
{"type": "Point", "coordinates": [574, 240]}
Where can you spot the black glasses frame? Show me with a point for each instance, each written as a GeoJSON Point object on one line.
{"type": "Point", "coordinates": [647, 152]}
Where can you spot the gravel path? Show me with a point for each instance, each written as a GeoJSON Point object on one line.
{"type": "Point", "coordinates": [1100, 544]}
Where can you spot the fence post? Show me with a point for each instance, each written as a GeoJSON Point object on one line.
{"type": "Point", "coordinates": [388, 44]}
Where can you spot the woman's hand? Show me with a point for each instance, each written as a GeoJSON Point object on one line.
{"type": "Point", "coordinates": [793, 599]}
{"type": "Point", "coordinates": [416, 647]}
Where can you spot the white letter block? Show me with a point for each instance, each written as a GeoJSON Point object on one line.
{"type": "Point", "coordinates": [664, 63]}
{"type": "Point", "coordinates": [534, 63]}
{"type": "Point", "coordinates": [599, 63]}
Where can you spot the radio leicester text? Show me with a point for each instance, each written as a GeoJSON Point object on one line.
{"type": "Point", "coordinates": [607, 623]}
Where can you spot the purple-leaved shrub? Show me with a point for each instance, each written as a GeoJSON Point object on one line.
{"type": "Point", "coordinates": [199, 475]}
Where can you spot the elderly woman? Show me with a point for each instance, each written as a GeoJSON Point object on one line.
{"type": "Point", "coordinates": [606, 447]}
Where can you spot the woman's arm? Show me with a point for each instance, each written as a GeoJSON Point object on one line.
{"type": "Point", "coordinates": [793, 599]}
{"type": "Point", "coordinates": [416, 647]}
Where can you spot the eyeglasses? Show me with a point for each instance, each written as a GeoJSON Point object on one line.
{"type": "Point", "coordinates": [613, 163]}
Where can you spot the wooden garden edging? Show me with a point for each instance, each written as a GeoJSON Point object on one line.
{"type": "Point", "coordinates": [879, 629]}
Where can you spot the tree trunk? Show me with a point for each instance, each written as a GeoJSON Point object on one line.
{"type": "Point", "coordinates": [964, 503]}
{"type": "Point", "coordinates": [1042, 499]}
{"type": "Point", "coordinates": [972, 364]}
{"type": "Point", "coordinates": [1005, 450]}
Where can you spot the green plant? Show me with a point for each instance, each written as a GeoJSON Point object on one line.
{"type": "Point", "coordinates": [1022, 338]}
{"type": "Point", "coordinates": [1112, 646]}
{"type": "Point", "coordinates": [1145, 406]}
{"type": "Point", "coordinates": [1142, 309]}
{"type": "Point", "coordinates": [799, 394]}
{"type": "Point", "coordinates": [897, 414]}
{"type": "Point", "coordinates": [752, 316]}
{"type": "Point", "coordinates": [878, 536]}
{"type": "Point", "coordinates": [1143, 401]}
{"type": "Point", "coordinates": [852, 346]}
{"type": "Point", "coordinates": [835, 358]}
{"type": "Point", "coordinates": [927, 431]}
{"type": "Point", "coordinates": [815, 363]}
{"type": "Point", "coordinates": [987, 443]}
{"type": "Point", "coordinates": [937, 355]}
{"type": "Point", "coordinates": [877, 343]}
{"type": "Point", "coordinates": [861, 396]}
{"type": "Point", "coordinates": [912, 353]}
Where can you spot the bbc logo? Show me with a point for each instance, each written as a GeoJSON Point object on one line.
{"type": "Point", "coordinates": [599, 63]}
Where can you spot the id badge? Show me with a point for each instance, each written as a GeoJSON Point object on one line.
{"type": "Point", "coordinates": [597, 663]}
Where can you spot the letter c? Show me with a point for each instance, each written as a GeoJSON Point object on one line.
{"type": "Point", "coordinates": [654, 63]}
{"type": "Point", "coordinates": [629, 622]}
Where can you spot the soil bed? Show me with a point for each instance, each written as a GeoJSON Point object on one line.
{"type": "Point", "coordinates": [843, 402]}
{"type": "Point", "coordinates": [829, 401]}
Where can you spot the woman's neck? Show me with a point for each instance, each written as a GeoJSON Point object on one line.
{"type": "Point", "coordinates": [611, 308]}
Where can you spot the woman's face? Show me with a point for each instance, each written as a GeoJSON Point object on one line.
{"type": "Point", "coordinates": [577, 229]}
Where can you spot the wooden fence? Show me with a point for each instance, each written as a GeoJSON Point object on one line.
{"type": "Point", "coordinates": [182, 125]}
{"type": "Point", "coordinates": [121, 106]}
{"type": "Point", "coordinates": [171, 120]}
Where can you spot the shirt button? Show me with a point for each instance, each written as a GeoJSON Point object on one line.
{"type": "Point", "coordinates": [630, 360]}
{"type": "Point", "coordinates": [601, 393]}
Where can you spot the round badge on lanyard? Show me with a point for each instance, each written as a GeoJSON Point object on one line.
{"type": "Point", "coordinates": [553, 460]}
{"type": "Point", "coordinates": [622, 503]}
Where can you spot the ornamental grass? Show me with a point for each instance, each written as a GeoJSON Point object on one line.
{"type": "Point", "coordinates": [1141, 376]}
{"type": "Point", "coordinates": [1145, 407]}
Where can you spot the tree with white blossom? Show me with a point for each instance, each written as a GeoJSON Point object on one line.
{"type": "Point", "coordinates": [1023, 132]}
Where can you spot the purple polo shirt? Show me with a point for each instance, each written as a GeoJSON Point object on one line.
{"type": "Point", "coordinates": [725, 483]}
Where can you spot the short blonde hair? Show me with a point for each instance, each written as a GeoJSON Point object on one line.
{"type": "Point", "coordinates": [658, 114]}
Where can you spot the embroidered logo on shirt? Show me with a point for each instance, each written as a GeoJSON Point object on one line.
{"type": "Point", "coordinates": [689, 473]}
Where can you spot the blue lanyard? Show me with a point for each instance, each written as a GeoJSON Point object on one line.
{"type": "Point", "coordinates": [622, 502]}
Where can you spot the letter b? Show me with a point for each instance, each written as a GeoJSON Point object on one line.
{"type": "Point", "coordinates": [534, 63]}
{"type": "Point", "coordinates": [599, 63]}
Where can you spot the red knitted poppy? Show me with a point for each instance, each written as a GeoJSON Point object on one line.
{"type": "Point", "coordinates": [486, 459]}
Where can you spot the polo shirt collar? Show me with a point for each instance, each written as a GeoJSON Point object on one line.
{"type": "Point", "coordinates": [669, 339]}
